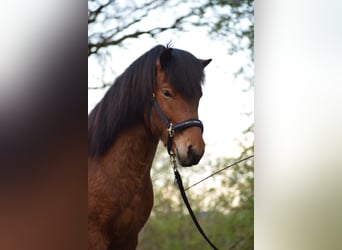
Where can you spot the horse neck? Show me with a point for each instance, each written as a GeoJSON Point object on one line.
{"type": "Point", "coordinates": [131, 153]}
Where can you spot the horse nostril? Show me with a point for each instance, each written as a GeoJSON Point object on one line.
{"type": "Point", "coordinates": [192, 155]}
{"type": "Point", "coordinates": [190, 152]}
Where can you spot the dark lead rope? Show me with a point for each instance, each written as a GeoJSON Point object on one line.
{"type": "Point", "coordinates": [186, 201]}
{"type": "Point", "coordinates": [171, 128]}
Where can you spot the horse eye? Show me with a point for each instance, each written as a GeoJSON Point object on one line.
{"type": "Point", "coordinates": [167, 93]}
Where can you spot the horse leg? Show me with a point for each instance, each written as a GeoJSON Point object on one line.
{"type": "Point", "coordinates": [96, 240]}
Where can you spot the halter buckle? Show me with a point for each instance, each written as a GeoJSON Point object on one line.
{"type": "Point", "coordinates": [170, 130]}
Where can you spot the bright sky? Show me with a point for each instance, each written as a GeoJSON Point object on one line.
{"type": "Point", "coordinates": [223, 103]}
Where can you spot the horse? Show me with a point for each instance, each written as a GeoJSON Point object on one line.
{"type": "Point", "coordinates": [155, 98]}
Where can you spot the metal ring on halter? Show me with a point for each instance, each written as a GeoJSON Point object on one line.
{"type": "Point", "coordinates": [170, 130]}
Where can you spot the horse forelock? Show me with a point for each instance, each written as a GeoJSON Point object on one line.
{"type": "Point", "coordinates": [185, 73]}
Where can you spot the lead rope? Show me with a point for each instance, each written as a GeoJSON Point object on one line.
{"type": "Point", "coordinates": [186, 201]}
{"type": "Point", "coordinates": [171, 128]}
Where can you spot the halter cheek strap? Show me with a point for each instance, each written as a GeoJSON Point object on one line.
{"type": "Point", "coordinates": [172, 128]}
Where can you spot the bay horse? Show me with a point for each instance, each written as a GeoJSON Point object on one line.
{"type": "Point", "coordinates": [161, 88]}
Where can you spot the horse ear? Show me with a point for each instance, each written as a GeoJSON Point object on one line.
{"type": "Point", "coordinates": [165, 57]}
{"type": "Point", "coordinates": [205, 62]}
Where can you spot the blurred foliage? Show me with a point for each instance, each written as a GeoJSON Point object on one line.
{"type": "Point", "coordinates": [224, 206]}
{"type": "Point", "coordinates": [112, 22]}
{"type": "Point", "coordinates": [231, 21]}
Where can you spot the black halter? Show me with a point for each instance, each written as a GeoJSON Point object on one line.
{"type": "Point", "coordinates": [172, 128]}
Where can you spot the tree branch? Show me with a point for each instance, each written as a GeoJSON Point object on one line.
{"type": "Point", "coordinates": [92, 15]}
{"type": "Point", "coordinates": [105, 42]}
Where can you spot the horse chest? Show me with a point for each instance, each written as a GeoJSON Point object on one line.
{"type": "Point", "coordinates": [134, 215]}
{"type": "Point", "coordinates": [131, 219]}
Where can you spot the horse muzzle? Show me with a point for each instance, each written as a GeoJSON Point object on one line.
{"type": "Point", "coordinates": [190, 157]}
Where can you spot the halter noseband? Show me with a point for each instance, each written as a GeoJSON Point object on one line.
{"type": "Point", "coordinates": [172, 128]}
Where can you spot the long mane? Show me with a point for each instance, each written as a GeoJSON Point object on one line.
{"type": "Point", "coordinates": [124, 103]}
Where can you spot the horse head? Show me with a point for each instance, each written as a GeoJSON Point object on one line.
{"type": "Point", "coordinates": [173, 115]}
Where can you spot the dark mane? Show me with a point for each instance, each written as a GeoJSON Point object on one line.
{"type": "Point", "coordinates": [124, 103]}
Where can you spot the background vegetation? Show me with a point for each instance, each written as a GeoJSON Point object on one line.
{"type": "Point", "coordinates": [223, 204]}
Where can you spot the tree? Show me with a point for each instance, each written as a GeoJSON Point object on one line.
{"type": "Point", "coordinates": [111, 22]}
